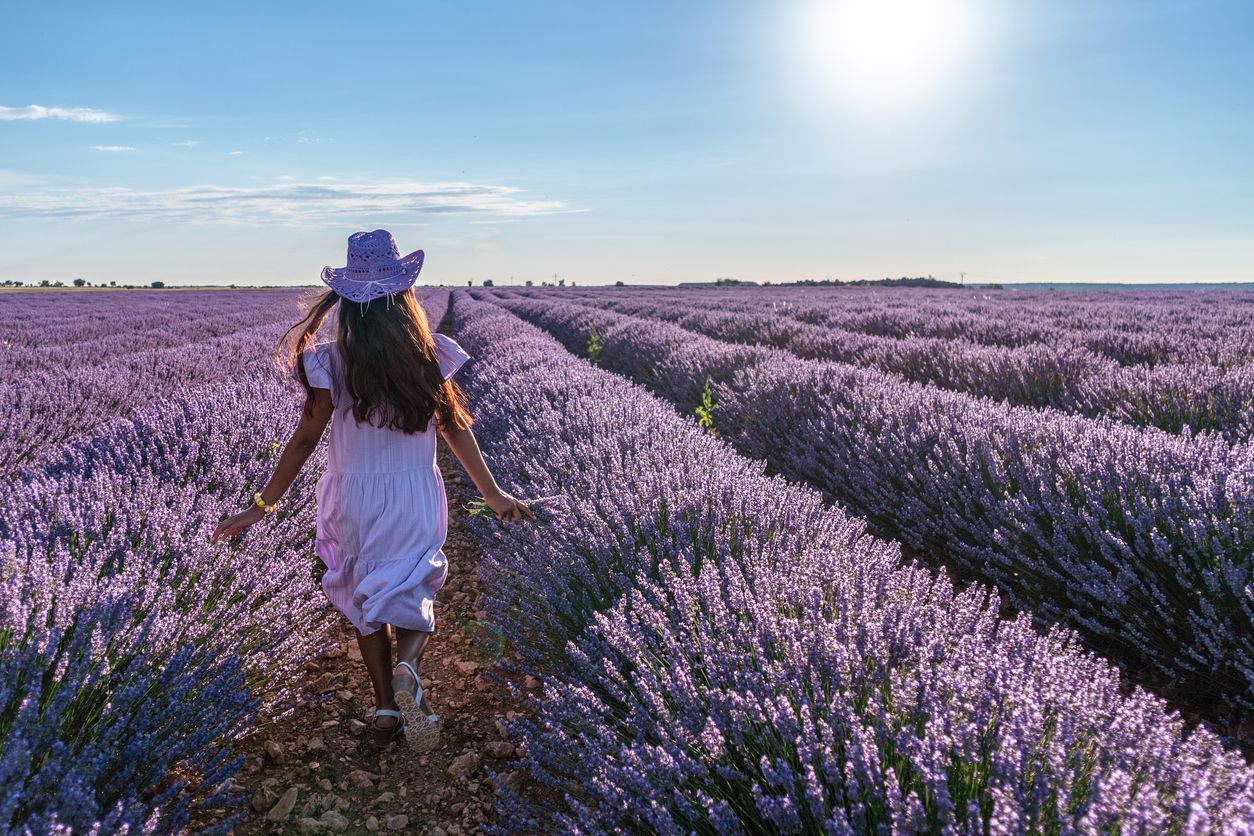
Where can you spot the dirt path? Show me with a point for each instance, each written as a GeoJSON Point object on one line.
{"type": "Point", "coordinates": [317, 772]}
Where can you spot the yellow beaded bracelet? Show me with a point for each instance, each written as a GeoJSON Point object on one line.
{"type": "Point", "coordinates": [261, 503]}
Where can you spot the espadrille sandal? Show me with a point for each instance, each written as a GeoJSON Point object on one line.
{"type": "Point", "coordinates": [422, 728]}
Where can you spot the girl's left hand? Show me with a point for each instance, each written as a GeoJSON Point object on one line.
{"type": "Point", "coordinates": [232, 526]}
{"type": "Point", "coordinates": [506, 506]}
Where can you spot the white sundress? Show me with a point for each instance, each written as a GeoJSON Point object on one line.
{"type": "Point", "coordinates": [382, 514]}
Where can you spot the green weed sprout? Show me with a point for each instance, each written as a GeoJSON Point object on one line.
{"type": "Point", "coordinates": [705, 409]}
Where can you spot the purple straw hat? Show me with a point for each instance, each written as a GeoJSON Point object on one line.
{"type": "Point", "coordinates": [374, 268]}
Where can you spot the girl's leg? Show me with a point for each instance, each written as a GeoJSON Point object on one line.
{"type": "Point", "coordinates": [376, 652]}
{"type": "Point", "coordinates": [409, 647]}
{"type": "Point", "coordinates": [410, 644]}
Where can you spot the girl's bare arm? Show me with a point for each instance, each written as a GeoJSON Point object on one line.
{"type": "Point", "coordinates": [300, 447]}
{"type": "Point", "coordinates": [466, 447]}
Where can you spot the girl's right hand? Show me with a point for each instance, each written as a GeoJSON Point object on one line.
{"type": "Point", "coordinates": [506, 506]}
{"type": "Point", "coordinates": [233, 526]}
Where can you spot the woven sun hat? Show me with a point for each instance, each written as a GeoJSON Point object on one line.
{"type": "Point", "coordinates": [374, 268]}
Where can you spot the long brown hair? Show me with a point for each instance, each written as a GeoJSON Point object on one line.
{"type": "Point", "coordinates": [390, 367]}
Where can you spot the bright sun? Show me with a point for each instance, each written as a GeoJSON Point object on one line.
{"type": "Point", "coordinates": [883, 54]}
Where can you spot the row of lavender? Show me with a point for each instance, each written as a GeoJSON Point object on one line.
{"type": "Point", "coordinates": [1150, 328]}
{"type": "Point", "coordinates": [133, 654]}
{"type": "Point", "coordinates": [1063, 375]}
{"type": "Point", "coordinates": [48, 333]}
{"type": "Point", "coordinates": [1142, 540]}
{"type": "Point", "coordinates": [60, 318]}
{"type": "Point", "coordinates": [50, 406]}
{"type": "Point", "coordinates": [722, 653]}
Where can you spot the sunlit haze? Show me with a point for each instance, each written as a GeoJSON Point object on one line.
{"type": "Point", "coordinates": [886, 56]}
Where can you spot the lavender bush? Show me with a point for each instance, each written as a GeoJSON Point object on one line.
{"type": "Point", "coordinates": [133, 650]}
{"type": "Point", "coordinates": [1210, 328]}
{"type": "Point", "coordinates": [722, 653]}
{"type": "Point", "coordinates": [1140, 539]}
{"type": "Point", "coordinates": [1062, 374]}
{"type": "Point", "coordinates": [38, 334]}
{"type": "Point", "coordinates": [54, 404]}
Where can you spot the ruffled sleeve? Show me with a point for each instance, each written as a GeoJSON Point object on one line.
{"type": "Point", "coordinates": [316, 368]}
{"type": "Point", "coordinates": [449, 354]}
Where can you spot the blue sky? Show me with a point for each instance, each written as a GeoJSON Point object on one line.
{"type": "Point", "coordinates": [649, 142]}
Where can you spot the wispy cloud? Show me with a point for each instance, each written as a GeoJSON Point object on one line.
{"type": "Point", "coordinates": [234, 153]}
{"type": "Point", "coordinates": [71, 114]}
{"type": "Point", "coordinates": [18, 178]}
{"type": "Point", "coordinates": [187, 143]}
{"type": "Point", "coordinates": [300, 137]}
{"type": "Point", "coordinates": [290, 204]}
{"type": "Point", "coordinates": [112, 148]}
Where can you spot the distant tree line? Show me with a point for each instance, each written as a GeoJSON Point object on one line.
{"type": "Point", "coordinates": [527, 283]}
{"type": "Point", "coordinates": [904, 281]}
{"type": "Point", "coordinates": [78, 283]}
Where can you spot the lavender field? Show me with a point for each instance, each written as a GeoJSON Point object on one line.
{"type": "Point", "coordinates": [816, 561]}
{"type": "Point", "coordinates": [1133, 523]}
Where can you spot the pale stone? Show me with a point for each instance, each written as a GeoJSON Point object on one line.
{"type": "Point", "coordinates": [360, 779]}
{"type": "Point", "coordinates": [499, 749]}
{"type": "Point", "coordinates": [283, 807]}
{"type": "Point", "coordinates": [464, 765]}
{"type": "Point", "coordinates": [335, 820]}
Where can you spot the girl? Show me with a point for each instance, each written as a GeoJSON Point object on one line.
{"type": "Point", "coordinates": [382, 512]}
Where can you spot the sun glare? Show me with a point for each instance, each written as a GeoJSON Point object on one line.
{"type": "Point", "coordinates": [885, 54]}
